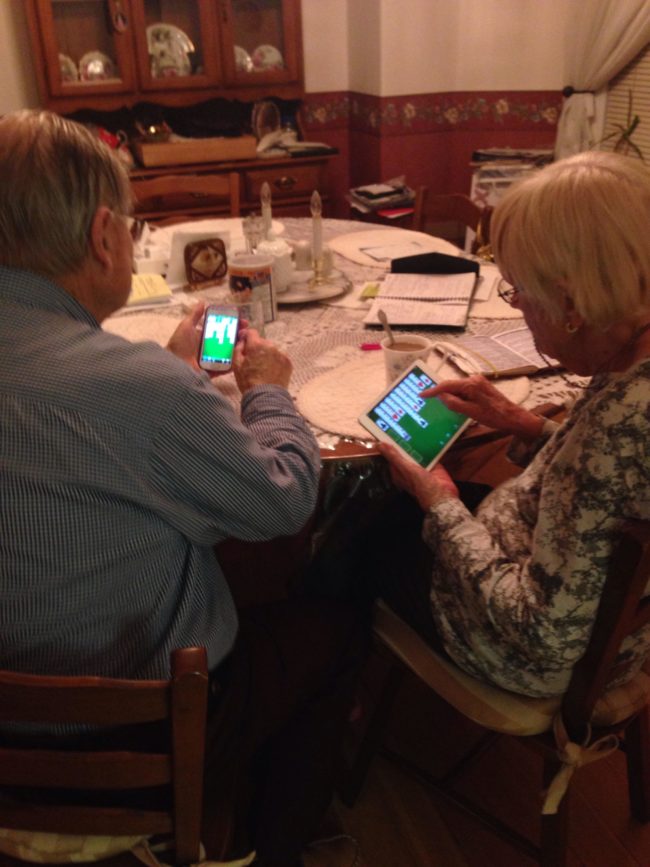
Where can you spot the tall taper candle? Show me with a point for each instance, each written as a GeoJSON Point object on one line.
{"type": "Point", "coordinates": [317, 230]}
{"type": "Point", "coordinates": [265, 199]}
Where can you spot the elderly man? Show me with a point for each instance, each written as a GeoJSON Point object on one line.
{"type": "Point", "coordinates": [122, 467]}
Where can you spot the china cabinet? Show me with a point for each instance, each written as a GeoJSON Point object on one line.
{"type": "Point", "coordinates": [107, 54]}
{"type": "Point", "coordinates": [204, 64]}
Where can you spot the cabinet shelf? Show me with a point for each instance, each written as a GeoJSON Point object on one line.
{"type": "Point", "coordinates": [109, 54]}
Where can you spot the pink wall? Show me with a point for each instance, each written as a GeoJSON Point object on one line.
{"type": "Point", "coordinates": [429, 138]}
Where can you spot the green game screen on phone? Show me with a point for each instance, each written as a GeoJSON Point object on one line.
{"type": "Point", "coordinates": [219, 339]}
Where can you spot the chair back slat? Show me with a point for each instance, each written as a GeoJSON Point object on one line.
{"type": "Point", "coordinates": [27, 698]}
{"type": "Point", "coordinates": [83, 770]}
{"type": "Point", "coordinates": [455, 208]}
{"type": "Point", "coordinates": [112, 822]}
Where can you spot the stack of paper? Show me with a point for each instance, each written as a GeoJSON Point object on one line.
{"type": "Point", "coordinates": [374, 197]}
{"type": "Point", "coordinates": [149, 289]}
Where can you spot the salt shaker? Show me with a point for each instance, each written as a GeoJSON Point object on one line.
{"type": "Point", "coordinates": [302, 254]}
{"type": "Point", "coordinates": [280, 252]}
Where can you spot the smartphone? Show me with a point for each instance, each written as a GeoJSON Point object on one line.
{"type": "Point", "coordinates": [422, 429]}
{"type": "Point", "coordinates": [218, 339]}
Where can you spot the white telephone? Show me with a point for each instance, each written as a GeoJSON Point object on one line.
{"type": "Point", "coordinates": [457, 356]}
{"type": "Point", "coordinates": [276, 140]}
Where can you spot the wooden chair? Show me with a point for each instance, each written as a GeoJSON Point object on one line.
{"type": "Point", "coordinates": [568, 731]}
{"type": "Point", "coordinates": [433, 209]}
{"type": "Point", "coordinates": [32, 778]}
{"type": "Point", "coordinates": [183, 197]}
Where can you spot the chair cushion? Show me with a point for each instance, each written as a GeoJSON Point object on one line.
{"type": "Point", "coordinates": [40, 847]}
{"type": "Point", "coordinates": [489, 706]}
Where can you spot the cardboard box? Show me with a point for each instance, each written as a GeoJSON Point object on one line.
{"type": "Point", "coordinates": [200, 150]}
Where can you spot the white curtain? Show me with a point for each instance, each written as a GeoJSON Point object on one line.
{"type": "Point", "coordinates": [602, 37]}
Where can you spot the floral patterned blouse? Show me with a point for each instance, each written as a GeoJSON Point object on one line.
{"type": "Point", "coordinates": [515, 589]}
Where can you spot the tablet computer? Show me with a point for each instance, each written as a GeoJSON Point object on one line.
{"type": "Point", "coordinates": [422, 429]}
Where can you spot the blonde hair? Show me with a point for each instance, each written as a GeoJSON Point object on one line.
{"type": "Point", "coordinates": [54, 174]}
{"type": "Point", "coordinates": [579, 227]}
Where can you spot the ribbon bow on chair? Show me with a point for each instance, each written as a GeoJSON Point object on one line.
{"type": "Point", "coordinates": [573, 756]}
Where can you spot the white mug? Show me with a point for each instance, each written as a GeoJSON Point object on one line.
{"type": "Point", "coordinates": [405, 350]}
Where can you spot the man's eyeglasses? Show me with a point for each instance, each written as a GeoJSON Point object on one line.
{"type": "Point", "coordinates": [507, 293]}
{"type": "Point", "coordinates": [135, 227]}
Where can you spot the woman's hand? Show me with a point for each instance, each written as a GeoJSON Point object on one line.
{"type": "Point", "coordinates": [257, 361]}
{"type": "Point", "coordinates": [186, 339]}
{"type": "Point", "coordinates": [428, 487]}
{"type": "Point", "coordinates": [477, 398]}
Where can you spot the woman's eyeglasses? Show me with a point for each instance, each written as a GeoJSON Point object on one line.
{"type": "Point", "coordinates": [507, 293]}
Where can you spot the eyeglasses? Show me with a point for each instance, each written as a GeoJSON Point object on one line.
{"type": "Point", "coordinates": [507, 293]}
{"type": "Point", "coordinates": [135, 227]}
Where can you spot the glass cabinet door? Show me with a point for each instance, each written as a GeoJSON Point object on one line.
{"type": "Point", "coordinates": [87, 46]}
{"type": "Point", "coordinates": [260, 39]}
{"type": "Point", "coordinates": [176, 44]}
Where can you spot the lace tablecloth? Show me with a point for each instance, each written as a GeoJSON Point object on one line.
{"type": "Point", "coordinates": [322, 336]}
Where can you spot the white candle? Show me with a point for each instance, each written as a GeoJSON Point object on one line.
{"type": "Point", "coordinates": [265, 198]}
{"type": "Point", "coordinates": [317, 228]}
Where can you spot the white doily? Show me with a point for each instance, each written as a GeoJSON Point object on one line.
{"type": "Point", "coordinates": [352, 245]}
{"type": "Point", "coordinates": [334, 400]}
{"type": "Point", "coordinates": [494, 308]}
{"type": "Point", "coordinates": [135, 327]}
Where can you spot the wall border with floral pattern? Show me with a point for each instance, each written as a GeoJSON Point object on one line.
{"type": "Point", "coordinates": [434, 112]}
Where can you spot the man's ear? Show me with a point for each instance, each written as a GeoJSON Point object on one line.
{"type": "Point", "coordinates": [100, 236]}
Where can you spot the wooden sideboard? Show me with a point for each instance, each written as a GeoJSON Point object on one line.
{"type": "Point", "coordinates": [292, 181]}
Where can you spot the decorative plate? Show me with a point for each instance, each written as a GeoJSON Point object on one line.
{"type": "Point", "coordinates": [169, 48]}
{"type": "Point", "coordinates": [243, 60]}
{"type": "Point", "coordinates": [267, 57]}
{"type": "Point", "coordinates": [304, 293]}
{"type": "Point", "coordinates": [68, 69]}
{"type": "Point", "coordinates": [96, 66]}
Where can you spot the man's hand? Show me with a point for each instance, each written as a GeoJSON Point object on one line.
{"type": "Point", "coordinates": [428, 487]}
{"type": "Point", "coordinates": [257, 361]}
{"type": "Point", "coordinates": [477, 398]}
{"type": "Point", "coordinates": [185, 341]}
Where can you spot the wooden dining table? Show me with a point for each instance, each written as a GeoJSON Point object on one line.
{"type": "Point", "coordinates": [322, 336]}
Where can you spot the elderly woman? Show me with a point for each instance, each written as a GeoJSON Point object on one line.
{"type": "Point", "coordinates": [515, 587]}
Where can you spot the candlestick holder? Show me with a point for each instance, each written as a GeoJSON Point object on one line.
{"type": "Point", "coordinates": [319, 276]}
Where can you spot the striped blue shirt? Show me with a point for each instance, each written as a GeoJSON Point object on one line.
{"type": "Point", "coordinates": [120, 469]}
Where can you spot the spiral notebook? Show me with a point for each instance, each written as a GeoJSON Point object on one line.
{"type": "Point", "coordinates": [427, 289]}
{"type": "Point", "coordinates": [424, 299]}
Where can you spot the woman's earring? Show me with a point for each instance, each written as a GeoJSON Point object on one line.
{"type": "Point", "coordinates": [571, 328]}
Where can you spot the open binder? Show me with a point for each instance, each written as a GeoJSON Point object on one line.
{"type": "Point", "coordinates": [510, 353]}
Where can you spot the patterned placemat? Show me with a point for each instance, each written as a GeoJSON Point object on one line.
{"type": "Point", "coordinates": [334, 399]}
{"type": "Point", "coordinates": [352, 245]}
